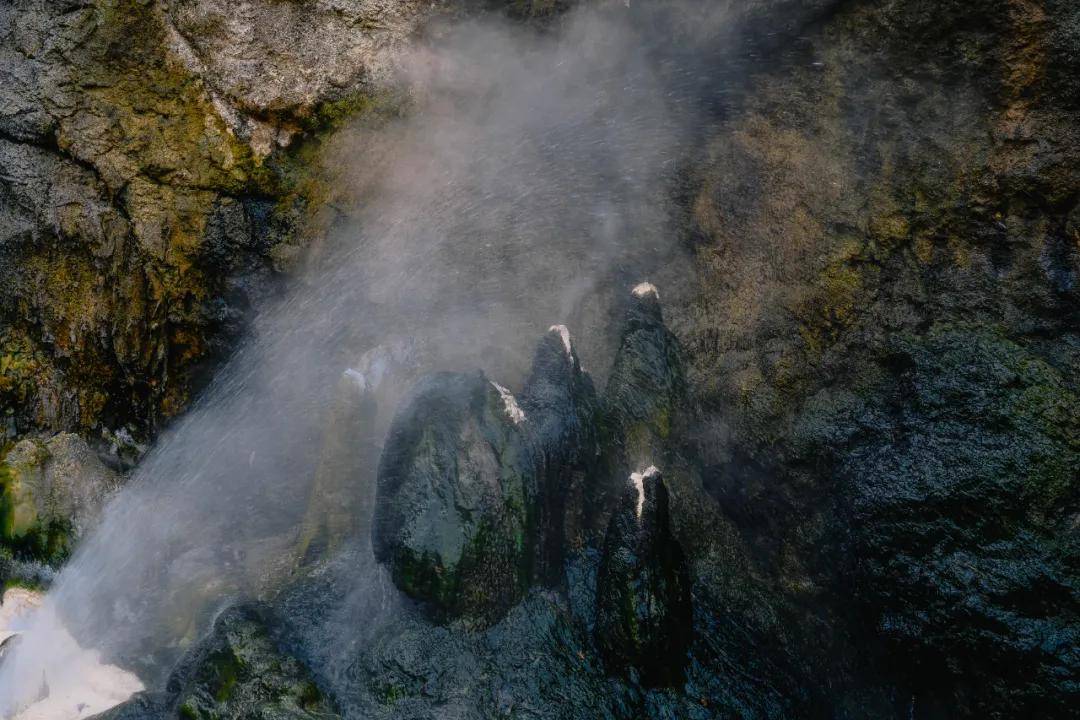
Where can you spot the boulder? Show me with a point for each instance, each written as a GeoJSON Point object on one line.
{"type": "Point", "coordinates": [643, 608]}
{"type": "Point", "coordinates": [455, 520]}
{"type": "Point", "coordinates": [53, 491]}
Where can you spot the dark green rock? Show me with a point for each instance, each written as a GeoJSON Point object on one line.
{"type": "Point", "coordinates": [643, 608]}
{"type": "Point", "coordinates": [454, 520]}
{"type": "Point", "coordinates": [236, 672]}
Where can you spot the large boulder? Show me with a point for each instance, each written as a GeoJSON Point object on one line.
{"type": "Point", "coordinates": [52, 492]}
{"type": "Point", "coordinates": [643, 608]}
{"type": "Point", "coordinates": [454, 518]}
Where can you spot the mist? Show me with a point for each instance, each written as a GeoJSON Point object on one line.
{"type": "Point", "coordinates": [529, 184]}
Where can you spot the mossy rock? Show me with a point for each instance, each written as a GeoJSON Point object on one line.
{"type": "Point", "coordinates": [454, 520]}
{"type": "Point", "coordinates": [239, 672]}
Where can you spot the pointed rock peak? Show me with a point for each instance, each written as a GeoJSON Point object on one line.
{"type": "Point", "coordinates": [638, 481]}
{"type": "Point", "coordinates": [564, 335]}
{"type": "Point", "coordinates": [646, 289]}
{"type": "Point", "coordinates": [513, 411]}
{"type": "Point", "coordinates": [644, 309]}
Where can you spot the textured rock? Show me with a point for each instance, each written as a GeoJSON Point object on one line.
{"type": "Point", "coordinates": [52, 493]}
{"type": "Point", "coordinates": [643, 610]}
{"type": "Point", "coordinates": [454, 518]}
{"type": "Point", "coordinates": [237, 672]}
{"type": "Point", "coordinates": [647, 386]}
{"type": "Point", "coordinates": [480, 496]}
{"type": "Point", "coordinates": [147, 201]}
{"type": "Point", "coordinates": [964, 503]}
{"type": "Point", "coordinates": [562, 425]}
{"type": "Point", "coordinates": [269, 58]}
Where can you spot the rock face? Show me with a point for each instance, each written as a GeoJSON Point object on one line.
{"type": "Point", "coordinates": [647, 387]}
{"type": "Point", "coordinates": [879, 323]}
{"type": "Point", "coordinates": [52, 492]}
{"type": "Point", "coordinates": [963, 505]}
{"type": "Point", "coordinates": [238, 672]}
{"type": "Point", "coordinates": [478, 496]}
{"type": "Point", "coordinates": [643, 611]}
{"type": "Point", "coordinates": [455, 519]}
{"type": "Point", "coordinates": [153, 187]}
{"type": "Point", "coordinates": [562, 426]}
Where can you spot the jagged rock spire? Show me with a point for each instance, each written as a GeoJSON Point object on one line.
{"type": "Point", "coordinates": [561, 400]}
{"type": "Point", "coordinates": [647, 383]}
{"type": "Point", "coordinates": [644, 613]}
{"type": "Point", "coordinates": [475, 487]}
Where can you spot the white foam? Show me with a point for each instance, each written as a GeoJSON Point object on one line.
{"type": "Point", "coordinates": [513, 411]}
{"type": "Point", "coordinates": [645, 289]}
{"type": "Point", "coordinates": [565, 335]}
{"type": "Point", "coordinates": [639, 484]}
{"type": "Point", "coordinates": [79, 684]}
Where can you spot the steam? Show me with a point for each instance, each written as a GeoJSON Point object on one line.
{"type": "Point", "coordinates": [531, 177]}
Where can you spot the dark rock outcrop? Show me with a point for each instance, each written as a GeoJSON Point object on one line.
{"type": "Point", "coordinates": [647, 387]}
{"type": "Point", "coordinates": [455, 516]}
{"type": "Point", "coordinates": [237, 672]}
{"type": "Point", "coordinates": [563, 430]}
{"type": "Point", "coordinates": [643, 610]}
{"type": "Point", "coordinates": [963, 501]}
{"type": "Point", "coordinates": [478, 496]}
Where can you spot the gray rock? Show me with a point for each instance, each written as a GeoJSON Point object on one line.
{"type": "Point", "coordinates": [563, 429]}
{"type": "Point", "coordinates": [643, 609]}
{"type": "Point", "coordinates": [454, 518]}
{"type": "Point", "coordinates": [236, 672]}
{"type": "Point", "coordinates": [54, 492]}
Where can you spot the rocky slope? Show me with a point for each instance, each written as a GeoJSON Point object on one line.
{"type": "Point", "coordinates": [862, 397]}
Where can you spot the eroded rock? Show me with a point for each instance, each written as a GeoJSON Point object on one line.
{"type": "Point", "coordinates": [643, 608]}
{"type": "Point", "coordinates": [53, 492]}
{"type": "Point", "coordinates": [238, 671]}
{"type": "Point", "coordinates": [455, 519]}
{"type": "Point", "coordinates": [560, 403]}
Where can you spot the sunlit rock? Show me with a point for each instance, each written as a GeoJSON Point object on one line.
{"type": "Point", "coordinates": [454, 518]}
{"type": "Point", "coordinates": [644, 614]}
{"type": "Point", "coordinates": [52, 492]}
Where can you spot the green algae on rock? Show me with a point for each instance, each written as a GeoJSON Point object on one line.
{"type": "Point", "coordinates": [52, 492]}
{"type": "Point", "coordinates": [238, 671]}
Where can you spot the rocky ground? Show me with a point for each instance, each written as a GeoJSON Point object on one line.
{"type": "Point", "coordinates": [860, 398]}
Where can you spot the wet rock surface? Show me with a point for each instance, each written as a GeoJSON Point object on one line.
{"type": "Point", "coordinates": [454, 517]}
{"type": "Point", "coordinates": [877, 497]}
{"type": "Point", "coordinates": [643, 613]}
{"type": "Point", "coordinates": [962, 504]}
{"type": "Point", "coordinates": [237, 671]}
{"type": "Point", "coordinates": [51, 492]}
